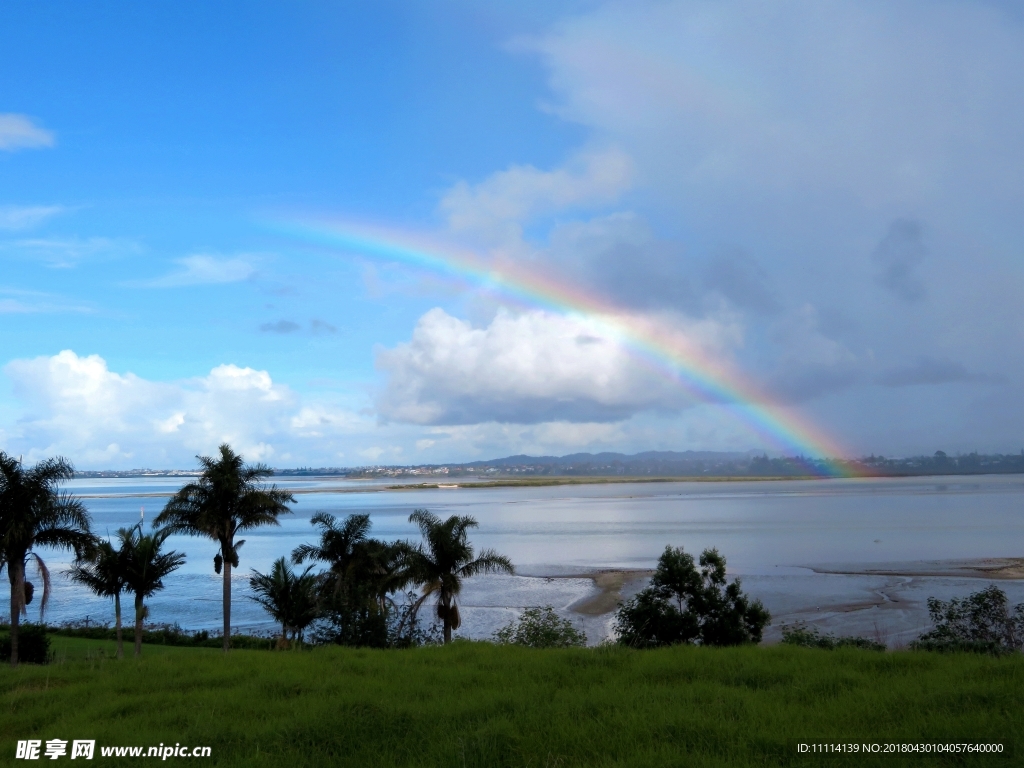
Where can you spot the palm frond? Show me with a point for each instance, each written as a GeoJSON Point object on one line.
{"type": "Point", "coordinates": [304, 552]}
{"type": "Point", "coordinates": [489, 561]}
{"type": "Point", "coordinates": [44, 575]}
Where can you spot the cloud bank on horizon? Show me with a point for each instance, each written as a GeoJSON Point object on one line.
{"type": "Point", "coordinates": [826, 196]}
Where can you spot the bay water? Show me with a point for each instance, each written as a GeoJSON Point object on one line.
{"type": "Point", "coordinates": [786, 540]}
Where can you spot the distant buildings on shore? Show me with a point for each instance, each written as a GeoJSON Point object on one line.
{"type": "Point", "coordinates": [652, 464]}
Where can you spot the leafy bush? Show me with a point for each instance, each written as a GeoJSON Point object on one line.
{"type": "Point", "coordinates": [361, 626]}
{"type": "Point", "coordinates": [289, 597]}
{"type": "Point", "coordinates": [541, 628]}
{"type": "Point", "coordinates": [684, 605]}
{"type": "Point", "coordinates": [33, 644]}
{"type": "Point", "coordinates": [366, 625]}
{"type": "Point", "coordinates": [981, 622]}
{"type": "Point", "coordinates": [810, 637]}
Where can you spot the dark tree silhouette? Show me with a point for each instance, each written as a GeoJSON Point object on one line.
{"type": "Point", "coordinates": [444, 559]}
{"type": "Point", "coordinates": [35, 513]}
{"type": "Point", "coordinates": [228, 498]}
{"type": "Point", "coordinates": [103, 572]}
{"type": "Point", "coordinates": [684, 605]}
{"type": "Point", "coordinates": [290, 598]}
{"type": "Point", "coordinates": [341, 547]}
{"type": "Point", "coordinates": [145, 568]}
{"type": "Point", "coordinates": [362, 574]}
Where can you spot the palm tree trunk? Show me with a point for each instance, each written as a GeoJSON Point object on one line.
{"type": "Point", "coordinates": [138, 624]}
{"type": "Point", "coordinates": [117, 620]}
{"type": "Point", "coordinates": [447, 622]}
{"type": "Point", "coordinates": [16, 573]}
{"type": "Point", "coordinates": [227, 604]}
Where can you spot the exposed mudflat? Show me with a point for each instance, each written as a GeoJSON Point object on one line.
{"type": "Point", "coordinates": [610, 583]}
{"type": "Point", "coordinates": [987, 568]}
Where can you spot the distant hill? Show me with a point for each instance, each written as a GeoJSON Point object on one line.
{"type": "Point", "coordinates": [616, 458]}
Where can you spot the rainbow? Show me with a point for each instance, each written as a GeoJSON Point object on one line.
{"type": "Point", "coordinates": [670, 353]}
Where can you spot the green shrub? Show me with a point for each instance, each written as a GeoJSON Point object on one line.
{"type": "Point", "coordinates": [982, 622]}
{"type": "Point", "coordinates": [810, 637]}
{"type": "Point", "coordinates": [33, 645]}
{"type": "Point", "coordinates": [541, 628]}
{"type": "Point", "coordinates": [364, 624]}
{"type": "Point", "coordinates": [684, 605]}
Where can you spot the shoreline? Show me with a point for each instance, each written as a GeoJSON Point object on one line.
{"type": "Point", "coordinates": [1000, 568]}
{"type": "Point", "coordinates": [368, 485]}
{"type": "Point", "coordinates": [524, 482]}
{"type": "Point", "coordinates": [540, 482]}
{"type": "Point", "coordinates": [609, 582]}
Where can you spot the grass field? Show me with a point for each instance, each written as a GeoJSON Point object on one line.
{"type": "Point", "coordinates": [476, 704]}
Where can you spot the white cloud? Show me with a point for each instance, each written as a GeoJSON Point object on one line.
{"type": "Point", "coordinates": [493, 439]}
{"type": "Point", "coordinates": [206, 270]}
{"type": "Point", "coordinates": [15, 217]}
{"type": "Point", "coordinates": [496, 208]}
{"type": "Point", "coordinates": [528, 368]}
{"type": "Point", "coordinates": [32, 302]}
{"type": "Point", "coordinates": [699, 428]}
{"type": "Point", "coordinates": [68, 252]}
{"type": "Point", "coordinates": [76, 406]}
{"type": "Point", "coordinates": [21, 132]}
{"type": "Point", "coordinates": [318, 421]}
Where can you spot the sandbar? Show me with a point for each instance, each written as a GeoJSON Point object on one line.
{"type": "Point", "coordinates": [610, 582]}
{"type": "Point", "coordinates": [987, 568]}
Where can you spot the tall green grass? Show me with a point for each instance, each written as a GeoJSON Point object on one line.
{"type": "Point", "coordinates": [476, 704]}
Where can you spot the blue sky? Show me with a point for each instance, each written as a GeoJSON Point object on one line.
{"type": "Point", "coordinates": [828, 198]}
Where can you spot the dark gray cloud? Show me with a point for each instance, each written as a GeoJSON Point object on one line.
{"type": "Point", "coordinates": [281, 326]}
{"type": "Point", "coordinates": [644, 277]}
{"type": "Point", "coordinates": [835, 323]}
{"type": "Point", "coordinates": [926, 370]}
{"type": "Point", "coordinates": [897, 257]}
{"type": "Point", "coordinates": [620, 258]}
{"type": "Point", "coordinates": [318, 326]}
{"type": "Point", "coordinates": [800, 384]}
{"type": "Point", "coordinates": [740, 278]}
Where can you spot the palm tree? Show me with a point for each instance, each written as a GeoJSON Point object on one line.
{"type": "Point", "coordinates": [34, 513]}
{"type": "Point", "coordinates": [357, 563]}
{"type": "Point", "coordinates": [385, 569]}
{"type": "Point", "coordinates": [362, 574]}
{"type": "Point", "coordinates": [340, 547]}
{"type": "Point", "coordinates": [103, 571]}
{"type": "Point", "coordinates": [227, 498]}
{"type": "Point", "coordinates": [444, 559]}
{"type": "Point", "coordinates": [144, 569]}
{"type": "Point", "coordinates": [289, 598]}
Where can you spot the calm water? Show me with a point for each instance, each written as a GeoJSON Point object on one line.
{"type": "Point", "coordinates": [770, 532]}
